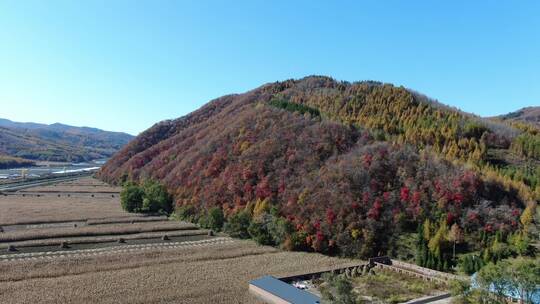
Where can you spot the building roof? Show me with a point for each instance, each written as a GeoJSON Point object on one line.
{"type": "Point", "coordinates": [285, 291]}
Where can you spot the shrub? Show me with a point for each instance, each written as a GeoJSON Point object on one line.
{"type": "Point", "coordinates": [296, 241]}
{"type": "Point", "coordinates": [187, 213]}
{"type": "Point", "coordinates": [279, 229]}
{"type": "Point", "coordinates": [337, 289]}
{"type": "Point", "coordinates": [259, 233]}
{"type": "Point", "coordinates": [152, 197]}
{"type": "Point", "coordinates": [460, 290]}
{"type": "Point", "coordinates": [521, 243]}
{"type": "Point", "coordinates": [156, 198]}
{"type": "Point", "coordinates": [131, 197]}
{"type": "Point", "coordinates": [520, 277]}
{"type": "Point", "coordinates": [238, 224]}
{"type": "Point", "coordinates": [474, 130]}
{"type": "Point", "coordinates": [213, 220]}
{"type": "Point", "coordinates": [470, 263]}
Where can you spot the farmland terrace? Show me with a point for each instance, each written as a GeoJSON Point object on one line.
{"type": "Point", "coordinates": [71, 242]}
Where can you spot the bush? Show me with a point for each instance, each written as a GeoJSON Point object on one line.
{"type": "Point", "coordinates": [152, 197]}
{"type": "Point", "coordinates": [238, 225]}
{"type": "Point", "coordinates": [156, 198]}
{"type": "Point", "coordinates": [270, 229]}
{"type": "Point", "coordinates": [521, 244]}
{"type": "Point", "coordinates": [279, 229]}
{"type": "Point", "coordinates": [187, 213]}
{"type": "Point", "coordinates": [461, 291]}
{"type": "Point", "coordinates": [337, 289]}
{"type": "Point", "coordinates": [213, 220]}
{"type": "Point", "coordinates": [474, 130]}
{"type": "Point", "coordinates": [296, 241]}
{"type": "Point", "coordinates": [131, 197]}
{"type": "Point", "coordinates": [519, 277]}
{"type": "Point", "coordinates": [259, 233]}
{"type": "Point", "coordinates": [470, 263]}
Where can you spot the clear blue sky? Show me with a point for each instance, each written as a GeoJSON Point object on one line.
{"type": "Point", "coordinates": [124, 65]}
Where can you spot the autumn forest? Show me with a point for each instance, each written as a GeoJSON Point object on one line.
{"type": "Point", "coordinates": [354, 169]}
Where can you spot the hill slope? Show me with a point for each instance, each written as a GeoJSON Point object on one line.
{"type": "Point", "coordinates": [339, 167]}
{"type": "Point", "coordinates": [529, 115]}
{"type": "Point", "coordinates": [58, 142]}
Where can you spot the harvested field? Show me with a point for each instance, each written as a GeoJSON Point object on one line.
{"type": "Point", "coordinates": [78, 242]}
{"type": "Point", "coordinates": [73, 189]}
{"type": "Point", "coordinates": [213, 274]}
{"type": "Point", "coordinates": [137, 219]}
{"type": "Point", "coordinates": [82, 185]}
{"type": "Point", "coordinates": [85, 181]}
{"type": "Point", "coordinates": [94, 230]}
{"type": "Point", "coordinates": [23, 210]}
{"type": "Point", "coordinates": [110, 238]}
{"type": "Point", "coordinates": [32, 218]}
{"type": "Point", "coordinates": [61, 244]}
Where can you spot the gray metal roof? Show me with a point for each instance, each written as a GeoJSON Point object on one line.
{"type": "Point", "coordinates": [285, 291]}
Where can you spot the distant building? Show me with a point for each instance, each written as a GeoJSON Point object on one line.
{"type": "Point", "coordinates": [274, 291]}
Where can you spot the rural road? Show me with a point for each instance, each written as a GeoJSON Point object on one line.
{"type": "Point", "coordinates": [33, 183]}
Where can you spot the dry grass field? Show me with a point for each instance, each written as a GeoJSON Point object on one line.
{"type": "Point", "coordinates": [16, 209]}
{"type": "Point", "coordinates": [31, 205]}
{"type": "Point", "coordinates": [211, 274]}
{"type": "Point", "coordinates": [190, 268]}
{"type": "Point", "coordinates": [374, 287]}
{"type": "Point", "coordinates": [52, 214]}
{"type": "Point", "coordinates": [109, 238]}
{"type": "Point", "coordinates": [93, 230]}
{"type": "Point", "coordinates": [83, 185]}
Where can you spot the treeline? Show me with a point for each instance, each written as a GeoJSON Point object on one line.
{"type": "Point", "coordinates": [257, 221]}
{"type": "Point", "coordinates": [436, 244]}
{"type": "Point", "coordinates": [8, 162]}
{"type": "Point", "coordinates": [518, 278]}
{"type": "Point", "coordinates": [149, 197]}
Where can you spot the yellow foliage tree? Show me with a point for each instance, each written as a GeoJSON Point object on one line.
{"type": "Point", "coordinates": [261, 207]}
{"type": "Point", "coordinates": [427, 229]}
{"type": "Point", "coordinates": [437, 241]}
{"type": "Point", "coordinates": [527, 216]}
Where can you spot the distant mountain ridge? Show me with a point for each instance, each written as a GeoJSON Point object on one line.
{"type": "Point", "coordinates": [58, 142]}
{"type": "Point", "coordinates": [529, 115]}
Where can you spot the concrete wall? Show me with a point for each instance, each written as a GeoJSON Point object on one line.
{"type": "Point", "coordinates": [429, 299]}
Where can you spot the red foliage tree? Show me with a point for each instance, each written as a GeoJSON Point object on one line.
{"type": "Point", "coordinates": [404, 194]}
{"type": "Point", "coordinates": [263, 189]}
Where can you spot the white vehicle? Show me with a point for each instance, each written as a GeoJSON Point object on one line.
{"type": "Point", "coordinates": [300, 285]}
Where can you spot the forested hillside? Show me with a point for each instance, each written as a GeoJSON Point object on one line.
{"type": "Point", "coordinates": [347, 168]}
{"type": "Point", "coordinates": [58, 142]}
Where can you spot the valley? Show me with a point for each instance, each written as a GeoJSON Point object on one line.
{"type": "Point", "coordinates": [26, 144]}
